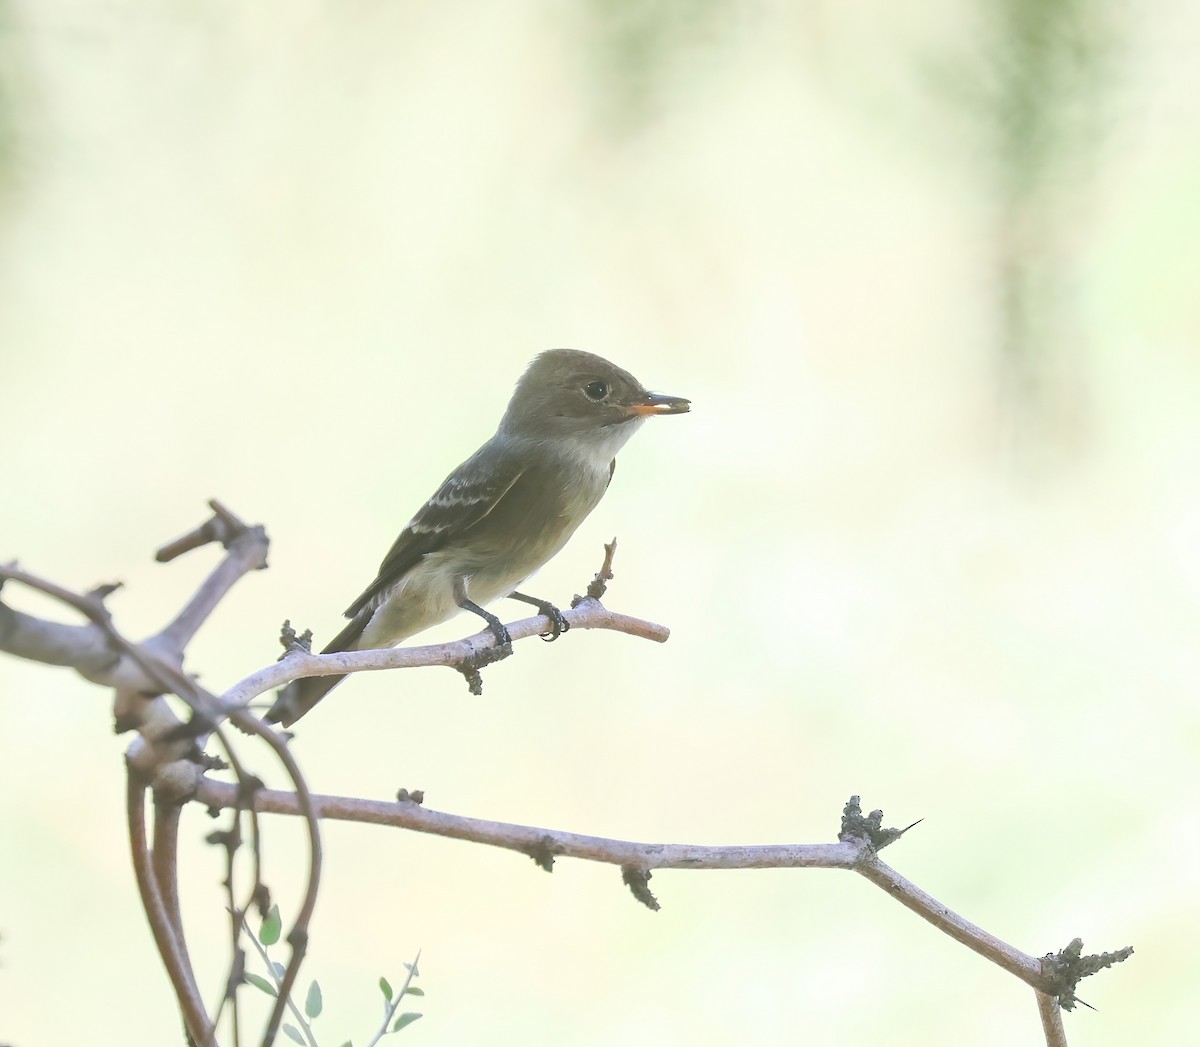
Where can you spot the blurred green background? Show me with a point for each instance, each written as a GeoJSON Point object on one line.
{"type": "Point", "coordinates": [932, 534]}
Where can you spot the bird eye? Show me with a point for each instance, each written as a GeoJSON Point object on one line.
{"type": "Point", "coordinates": [596, 390]}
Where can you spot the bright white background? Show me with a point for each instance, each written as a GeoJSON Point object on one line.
{"type": "Point", "coordinates": [294, 255]}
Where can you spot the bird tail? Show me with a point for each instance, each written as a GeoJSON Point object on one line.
{"type": "Point", "coordinates": [301, 695]}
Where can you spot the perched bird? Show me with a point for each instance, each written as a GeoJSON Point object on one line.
{"type": "Point", "coordinates": [501, 514]}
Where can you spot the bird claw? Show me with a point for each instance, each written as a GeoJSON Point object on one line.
{"type": "Point", "coordinates": [503, 640]}
{"type": "Point", "coordinates": [558, 621]}
{"type": "Point", "coordinates": [560, 624]}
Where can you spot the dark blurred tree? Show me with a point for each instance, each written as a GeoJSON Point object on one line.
{"type": "Point", "coordinates": [1043, 77]}
{"type": "Point", "coordinates": [1032, 89]}
{"type": "Point", "coordinates": [635, 46]}
{"type": "Point", "coordinates": [8, 88]}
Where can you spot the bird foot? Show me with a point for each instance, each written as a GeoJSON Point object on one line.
{"type": "Point", "coordinates": [559, 623]}
{"type": "Point", "coordinates": [503, 640]}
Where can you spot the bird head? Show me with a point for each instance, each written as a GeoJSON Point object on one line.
{"type": "Point", "coordinates": [568, 394]}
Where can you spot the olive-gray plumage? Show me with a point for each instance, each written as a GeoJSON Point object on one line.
{"type": "Point", "coordinates": [501, 514]}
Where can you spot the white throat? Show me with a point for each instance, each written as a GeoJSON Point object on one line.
{"type": "Point", "coordinates": [597, 450]}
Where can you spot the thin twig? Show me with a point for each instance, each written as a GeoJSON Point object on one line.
{"type": "Point", "coordinates": [153, 668]}
{"type": "Point", "coordinates": [195, 1017]}
{"type": "Point", "coordinates": [298, 936]}
{"type": "Point", "coordinates": [266, 959]}
{"type": "Point", "coordinates": [158, 674]}
{"type": "Point", "coordinates": [247, 551]}
{"type": "Point", "coordinates": [90, 605]}
{"type": "Point", "coordinates": [221, 527]}
{"type": "Point", "coordinates": [1052, 1023]}
{"type": "Point", "coordinates": [297, 664]}
{"type": "Point", "coordinates": [1027, 968]}
{"type": "Point", "coordinates": [393, 1005]}
{"type": "Point", "coordinates": [81, 647]}
{"type": "Point", "coordinates": [230, 840]}
{"type": "Point", "coordinates": [527, 839]}
{"type": "Point", "coordinates": [166, 871]}
{"type": "Point", "coordinates": [204, 703]}
{"type": "Point", "coordinates": [598, 586]}
{"type": "Point", "coordinates": [536, 842]}
{"type": "Point", "coordinates": [201, 701]}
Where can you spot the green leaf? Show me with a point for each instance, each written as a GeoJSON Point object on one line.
{"type": "Point", "coordinates": [260, 982]}
{"type": "Point", "coordinates": [414, 990]}
{"type": "Point", "coordinates": [294, 1033]}
{"type": "Point", "coordinates": [407, 1018]}
{"type": "Point", "coordinates": [312, 1002]}
{"type": "Point", "coordinates": [386, 988]}
{"type": "Point", "coordinates": [268, 933]}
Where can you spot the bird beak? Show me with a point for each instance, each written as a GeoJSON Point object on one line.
{"type": "Point", "coordinates": [658, 403]}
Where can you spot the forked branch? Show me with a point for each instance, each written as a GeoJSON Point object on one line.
{"type": "Point", "coordinates": [167, 754]}
{"type": "Point", "coordinates": [860, 839]}
{"type": "Point", "coordinates": [141, 674]}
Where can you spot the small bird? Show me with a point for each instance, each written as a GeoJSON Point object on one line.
{"type": "Point", "coordinates": [501, 514]}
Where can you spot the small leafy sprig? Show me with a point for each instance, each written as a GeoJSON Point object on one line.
{"type": "Point", "coordinates": [268, 934]}
{"type": "Point", "coordinates": [391, 1004]}
{"type": "Point", "coordinates": [302, 1032]}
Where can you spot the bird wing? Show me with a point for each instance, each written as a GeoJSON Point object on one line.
{"type": "Point", "coordinates": [466, 496]}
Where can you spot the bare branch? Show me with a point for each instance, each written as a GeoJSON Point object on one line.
{"type": "Point", "coordinates": [87, 649]}
{"type": "Point", "coordinates": [165, 854]}
{"type": "Point", "coordinates": [636, 860]}
{"type": "Point", "coordinates": [222, 527]}
{"type": "Point", "coordinates": [90, 605]}
{"type": "Point", "coordinates": [306, 808]}
{"type": "Point", "coordinates": [126, 676]}
{"type": "Point", "coordinates": [195, 1017]}
{"type": "Point", "coordinates": [598, 586]}
{"type": "Point", "coordinates": [167, 752]}
{"type": "Point", "coordinates": [205, 704]}
{"type": "Point", "coordinates": [153, 669]}
{"type": "Point", "coordinates": [247, 551]}
{"type": "Point", "coordinates": [528, 839]}
{"type": "Point", "coordinates": [90, 650]}
{"type": "Point", "coordinates": [296, 664]}
{"type": "Point", "coordinates": [81, 647]}
{"type": "Point", "coordinates": [1027, 968]}
{"type": "Point", "coordinates": [1052, 1023]}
